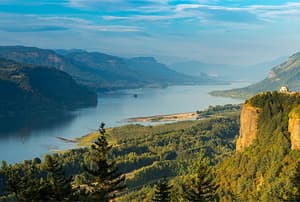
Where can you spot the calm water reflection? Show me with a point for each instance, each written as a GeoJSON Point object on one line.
{"type": "Point", "coordinates": [29, 136]}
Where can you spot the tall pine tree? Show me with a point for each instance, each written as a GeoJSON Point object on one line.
{"type": "Point", "coordinates": [60, 185]}
{"type": "Point", "coordinates": [104, 181]}
{"type": "Point", "coordinates": [162, 191]}
{"type": "Point", "coordinates": [201, 185]}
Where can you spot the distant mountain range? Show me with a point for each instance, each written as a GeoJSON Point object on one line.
{"type": "Point", "coordinates": [100, 71]}
{"type": "Point", "coordinates": [227, 72]}
{"type": "Point", "coordinates": [287, 73]}
{"type": "Point", "coordinates": [34, 79]}
{"type": "Point", "coordinates": [27, 88]}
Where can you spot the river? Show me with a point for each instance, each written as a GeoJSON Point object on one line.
{"type": "Point", "coordinates": [36, 136]}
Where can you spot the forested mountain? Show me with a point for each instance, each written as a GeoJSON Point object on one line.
{"type": "Point", "coordinates": [26, 88]}
{"type": "Point", "coordinates": [267, 154]}
{"type": "Point", "coordinates": [101, 71]}
{"type": "Point", "coordinates": [287, 73]}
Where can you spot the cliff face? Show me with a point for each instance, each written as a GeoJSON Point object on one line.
{"type": "Point", "coordinates": [248, 127]}
{"type": "Point", "coordinates": [250, 114]}
{"type": "Point", "coordinates": [294, 129]}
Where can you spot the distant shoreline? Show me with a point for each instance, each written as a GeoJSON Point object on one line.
{"type": "Point", "coordinates": [166, 117]}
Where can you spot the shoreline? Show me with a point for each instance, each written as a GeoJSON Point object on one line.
{"type": "Point", "coordinates": [185, 116]}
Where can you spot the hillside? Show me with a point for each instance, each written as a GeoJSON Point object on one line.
{"type": "Point", "coordinates": [287, 73]}
{"type": "Point", "coordinates": [149, 153]}
{"type": "Point", "coordinates": [26, 88]}
{"type": "Point", "coordinates": [101, 71]}
{"type": "Point", "coordinates": [260, 169]}
{"type": "Point", "coordinates": [267, 150]}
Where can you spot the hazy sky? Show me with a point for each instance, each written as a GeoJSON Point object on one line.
{"type": "Point", "coordinates": [219, 31]}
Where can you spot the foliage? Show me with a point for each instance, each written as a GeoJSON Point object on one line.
{"type": "Point", "coordinates": [263, 170]}
{"type": "Point", "coordinates": [61, 189]}
{"type": "Point", "coordinates": [162, 191]}
{"type": "Point", "coordinates": [103, 180]}
{"type": "Point", "coordinates": [146, 154]}
{"type": "Point", "coordinates": [23, 182]}
{"type": "Point", "coordinates": [201, 185]}
{"type": "Point", "coordinates": [294, 195]}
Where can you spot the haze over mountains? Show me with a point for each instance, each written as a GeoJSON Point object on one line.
{"type": "Point", "coordinates": [287, 73]}
{"type": "Point", "coordinates": [43, 79]}
{"type": "Point", "coordinates": [227, 72]}
{"type": "Point", "coordinates": [101, 71]}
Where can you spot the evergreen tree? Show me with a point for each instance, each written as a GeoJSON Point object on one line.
{"type": "Point", "coordinates": [295, 196]}
{"type": "Point", "coordinates": [23, 182]}
{"type": "Point", "coordinates": [60, 185]}
{"type": "Point", "coordinates": [201, 185]}
{"type": "Point", "coordinates": [13, 180]}
{"type": "Point", "coordinates": [34, 188]}
{"type": "Point", "coordinates": [103, 179]}
{"type": "Point", "coordinates": [162, 191]}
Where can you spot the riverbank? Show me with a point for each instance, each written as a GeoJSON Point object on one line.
{"type": "Point", "coordinates": [89, 138]}
{"type": "Point", "coordinates": [166, 117]}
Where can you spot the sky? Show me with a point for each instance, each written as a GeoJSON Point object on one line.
{"type": "Point", "coordinates": [212, 31]}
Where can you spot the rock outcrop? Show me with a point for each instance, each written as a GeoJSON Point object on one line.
{"type": "Point", "coordinates": [294, 128]}
{"type": "Point", "coordinates": [248, 127]}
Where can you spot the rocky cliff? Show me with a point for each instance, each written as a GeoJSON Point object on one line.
{"type": "Point", "coordinates": [248, 126]}
{"type": "Point", "coordinates": [265, 112]}
{"type": "Point", "coordinates": [294, 128]}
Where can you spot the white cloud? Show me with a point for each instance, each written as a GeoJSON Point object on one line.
{"type": "Point", "coordinates": [264, 11]}
{"type": "Point", "coordinates": [9, 22]}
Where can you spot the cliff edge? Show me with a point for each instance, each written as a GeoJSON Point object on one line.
{"type": "Point", "coordinates": [248, 126]}
{"type": "Point", "coordinates": [294, 128]}
{"type": "Point", "coordinates": [265, 114]}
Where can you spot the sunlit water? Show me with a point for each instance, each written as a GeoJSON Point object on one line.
{"type": "Point", "coordinates": [37, 136]}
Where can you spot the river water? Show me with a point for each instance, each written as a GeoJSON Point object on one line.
{"type": "Point", "coordinates": [36, 136]}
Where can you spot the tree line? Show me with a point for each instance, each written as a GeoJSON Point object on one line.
{"type": "Point", "coordinates": [100, 181]}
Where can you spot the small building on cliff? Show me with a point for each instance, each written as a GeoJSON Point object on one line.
{"type": "Point", "coordinates": [284, 89]}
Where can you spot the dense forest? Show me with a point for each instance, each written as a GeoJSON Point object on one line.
{"type": "Point", "coordinates": [265, 170]}
{"type": "Point", "coordinates": [145, 154]}
{"type": "Point", "coordinates": [183, 161]}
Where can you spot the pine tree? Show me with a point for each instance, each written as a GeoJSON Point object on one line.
{"type": "Point", "coordinates": [201, 185]}
{"type": "Point", "coordinates": [23, 182]}
{"type": "Point", "coordinates": [34, 188]}
{"type": "Point", "coordinates": [60, 185]}
{"type": "Point", "coordinates": [162, 191]}
{"type": "Point", "coordinates": [104, 180]}
{"type": "Point", "coordinates": [12, 178]}
{"type": "Point", "coordinates": [295, 196]}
